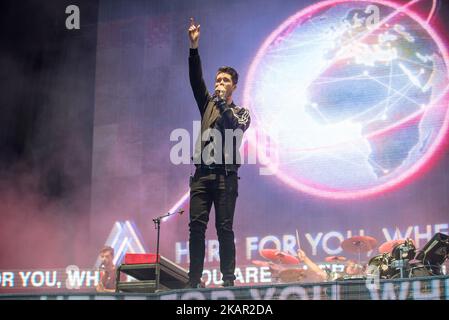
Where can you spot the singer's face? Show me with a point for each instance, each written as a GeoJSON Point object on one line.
{"type": "Point", "coordinates": [223, 82]}
{"type": "Point", "coordinates": [106, 258]}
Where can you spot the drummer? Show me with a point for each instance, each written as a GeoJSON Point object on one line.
{"type": "Point", "coordinates": [351, 269]}
{"type": "Point", "coordinates": [320, 273]}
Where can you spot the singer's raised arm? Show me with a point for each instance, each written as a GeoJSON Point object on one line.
{"type": "Point", "coordinates": [197, 83]}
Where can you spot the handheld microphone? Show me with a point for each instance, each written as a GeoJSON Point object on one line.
{"type": "Point", "coordinates": [102, 270]}
{"type": "Point", "coordinates": [219, 95]}
{"type": "Point", "coordinates": [219, 99]}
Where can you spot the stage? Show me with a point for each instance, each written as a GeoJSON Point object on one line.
{"type": "Point", "coordinates": [428, 288]}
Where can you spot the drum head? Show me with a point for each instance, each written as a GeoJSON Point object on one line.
{"type": "Point", "coordinates": [380, 266]}
{"type": "Point", "coordinates": [380, 260]}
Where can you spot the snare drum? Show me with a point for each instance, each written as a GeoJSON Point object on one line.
{"type": "Point", "coordinates": [380, 266]}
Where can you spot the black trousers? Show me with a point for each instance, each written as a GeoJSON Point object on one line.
{"type": "Point", "coordinates": [220, 189]}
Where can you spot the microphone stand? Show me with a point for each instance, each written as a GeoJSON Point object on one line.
{"type": "Point", "coordinates": [157, 225]}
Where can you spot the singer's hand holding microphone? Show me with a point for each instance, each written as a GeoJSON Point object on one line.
{"type": "Point", "coordinates": [220, 99]}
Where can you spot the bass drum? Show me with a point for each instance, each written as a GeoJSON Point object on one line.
{"type": "Point", "coordinates": [380, 266]}
{"type": "Point", "coordinates": [415, 270]}
{"type": "Point", "coordinates": [418, 269]}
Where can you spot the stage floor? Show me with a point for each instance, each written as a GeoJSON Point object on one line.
{"type": "Point", "coordinates": [428, 288]}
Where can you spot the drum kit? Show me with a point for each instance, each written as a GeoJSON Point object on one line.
{"type": "Point", "coordinates": [396, 259]}
{"type": "Point", "coordinates": [284, 267]}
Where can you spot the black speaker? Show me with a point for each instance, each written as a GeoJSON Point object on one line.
{"type": "Point", "coordinates": [435, 252]}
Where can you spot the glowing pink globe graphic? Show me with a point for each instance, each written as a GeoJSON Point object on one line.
{"type": "Point", "coordinates": [353, 106]}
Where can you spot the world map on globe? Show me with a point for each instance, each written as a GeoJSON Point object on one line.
{"type": "Point", "coordinates": [353, 108]}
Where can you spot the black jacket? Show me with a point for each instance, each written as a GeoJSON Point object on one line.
{"type": "Point", "coordinates": [216, 116]}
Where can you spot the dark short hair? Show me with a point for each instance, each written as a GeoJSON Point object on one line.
{"type": "Point", "coordinates": [107, 248]}
{"type": "Point", "coordinates": [231, 71]}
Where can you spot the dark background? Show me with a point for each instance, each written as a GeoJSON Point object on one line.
{"type": "Point", "coordinates": [46, 126]}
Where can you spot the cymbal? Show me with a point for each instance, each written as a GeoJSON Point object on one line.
{"type": "Point", "coordinates": [279, 256]}
{"type": "Point", "coordinates": [273, 266]}
{"type": "Point", "coordinates": [335, 259]}
{"type": "Point", "coordinates": [358, 244]}
{"type": "Point", "coordinates": [387, 247]}
{"type": "Point", "coordinates": [298, 275]}
{"type": "Point", "coordinates": [292, 275]}
{"type": "Point", "coordinates": [260, 263]}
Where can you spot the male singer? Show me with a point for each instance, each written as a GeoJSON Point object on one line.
{"type": "Point", "coordinates": [108, 272]}
{"type": "Point", "coordinates": [217, 160]}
